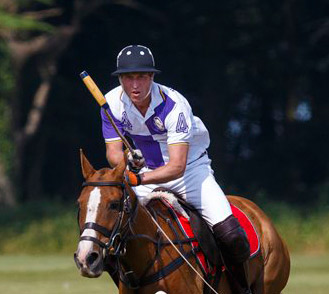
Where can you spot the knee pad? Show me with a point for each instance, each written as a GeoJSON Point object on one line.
{"type": "Point", "coordinates": [232, 240]}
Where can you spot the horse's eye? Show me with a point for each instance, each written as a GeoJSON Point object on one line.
{"type": "Point", "coordinates": [114, 205]}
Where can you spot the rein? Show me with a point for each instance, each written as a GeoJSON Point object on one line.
{"type": "Point", "coordinates": [183, 257]}
{"type": "Point", "coordinates": [119, 236]}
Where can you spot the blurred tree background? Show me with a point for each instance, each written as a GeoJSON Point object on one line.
{"type": "Point", "coordinates": [255, 71]}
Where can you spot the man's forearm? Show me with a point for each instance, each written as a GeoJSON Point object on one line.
{"type": "Point", "coordinates": [163, 174]}
{"type": "Point", "coordinates": [114, 158]}
{"type": "Point", "coordinates": [114, 153]}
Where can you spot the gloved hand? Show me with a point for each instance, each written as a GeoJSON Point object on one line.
{"type": "Point", "coordinates": [136, 162]}
{"type": "Point", "coordinates": [132, 178]}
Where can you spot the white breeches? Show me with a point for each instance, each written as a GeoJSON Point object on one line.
{"type": "Point", "coordinates": [199, 188]}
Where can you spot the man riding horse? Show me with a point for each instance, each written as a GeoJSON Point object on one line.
{"type": "Point", "coordinates": [171, 153]}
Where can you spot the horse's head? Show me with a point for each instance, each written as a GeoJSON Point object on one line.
{"type": "Point", "coordinates": [101, 213]}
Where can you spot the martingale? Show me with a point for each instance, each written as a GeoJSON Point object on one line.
{"type": "Point", "coordinates": [183, 222]}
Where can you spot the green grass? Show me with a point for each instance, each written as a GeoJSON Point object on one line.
{"type": "Point", "coordinates": [301, 226]}
{"type": "Point", "coordinates": [47, 275]}
{"type": "Point", "coordinates": [45, 235]}
{"type": "Point", "coordinates": [57, 274]}
{"type": "Point", "coordinates": [39, 228]}
{"type": "Point", "coordinates": [309, 274]}
{"type": "Point", "coordinates": [48, 228]}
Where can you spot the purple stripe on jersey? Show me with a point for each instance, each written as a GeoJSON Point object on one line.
{"type": "Point", "coordinates": [155, 123]}
{"type": "Point", "coordinates": [150, 150]}
{"type": "Point", "coordinates": [108, 130]}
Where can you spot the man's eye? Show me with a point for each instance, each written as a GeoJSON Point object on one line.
{"type": "Point", "coordinates": [114, 205]}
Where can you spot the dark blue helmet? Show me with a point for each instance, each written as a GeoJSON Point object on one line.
{"type": "Point", "coordinates": [135, 58]}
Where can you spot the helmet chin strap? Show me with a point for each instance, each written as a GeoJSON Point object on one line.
{"type": "Point", "coordinates": [150, 89]}
{"type": "Point", "coordinates": [149, 92]}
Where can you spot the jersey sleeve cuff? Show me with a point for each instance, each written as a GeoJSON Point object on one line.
{"type": "Point", "coordinates": [118, 139]}
{"type": "Point", "coordinates": [179, 143]}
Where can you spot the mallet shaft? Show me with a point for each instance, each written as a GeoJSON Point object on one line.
{"type": "Point", "coordinates": [98, 95]}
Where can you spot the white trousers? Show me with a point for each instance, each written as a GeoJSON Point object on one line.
{"type": "Point", "coordinates": [199, 188]}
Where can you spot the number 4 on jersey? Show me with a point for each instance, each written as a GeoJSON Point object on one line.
{"type": "Point", "coordinates": [181, 126]}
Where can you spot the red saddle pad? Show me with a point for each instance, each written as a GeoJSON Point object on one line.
{"type": "Point", "coordinates": [249, 229]}
{"type": "Point", "coordinates": [244, 221]}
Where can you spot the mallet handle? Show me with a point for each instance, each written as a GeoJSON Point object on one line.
{"type": "Point", "coordinates": [98, 95]}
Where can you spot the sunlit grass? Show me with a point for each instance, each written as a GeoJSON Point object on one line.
{"type": "Point", "coordinates": [303, 229]}
{"type": "Point", "coordinates": [309, 274]}
{"type": "Point", "coordinates": [57, 274]}
{"type": "Point", "coordinates": [47, 228]}
{"type": "Point", "coordinates": [38, 228]}
{"type": "Point", "coordinates": [52, 274]}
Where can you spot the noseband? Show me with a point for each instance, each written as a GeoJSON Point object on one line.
{"type": "Point", "coordinates": [114, 235]}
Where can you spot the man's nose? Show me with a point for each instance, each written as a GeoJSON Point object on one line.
{"type": "Point", "coordinates": [135, 83]}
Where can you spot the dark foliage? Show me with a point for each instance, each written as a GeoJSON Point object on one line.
{"type": "Point", "coordinates": [255, 71]}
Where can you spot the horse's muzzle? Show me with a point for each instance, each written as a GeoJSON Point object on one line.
{"type": "Point", "coordinates": [91, 265]}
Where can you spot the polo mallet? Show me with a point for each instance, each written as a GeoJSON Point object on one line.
{"type": "Point", "coordinates": [97, 94]}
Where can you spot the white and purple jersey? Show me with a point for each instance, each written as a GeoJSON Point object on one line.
{"type": "Point", "coordinates": [168, 120]}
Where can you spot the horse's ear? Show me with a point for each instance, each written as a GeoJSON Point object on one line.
{"type": "Point", "coordinates": [86, 167]}
{"type": "Point", "coordinates": [120, 168]}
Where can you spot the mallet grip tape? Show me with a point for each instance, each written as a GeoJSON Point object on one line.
{"type": "Point", "coordinates": [92, 87]}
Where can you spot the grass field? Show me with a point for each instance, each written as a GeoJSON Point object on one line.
{"type": "Point", "coordinates": [47, 275]}
{"type": "Point", "coordinates": [53, 274]}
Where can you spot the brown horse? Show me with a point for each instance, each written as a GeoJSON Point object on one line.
{"type": "Point", "coordinates": [118, 232]}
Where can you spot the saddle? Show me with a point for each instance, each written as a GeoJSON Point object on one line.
{"type": "Point", "coordinates": [195, 226]}
{"type": "Point", "coordinates": [203, 234]}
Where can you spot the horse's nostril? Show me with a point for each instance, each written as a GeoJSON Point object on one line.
{"type": "Point", "coordinates": [77, 262]}
{"type": "Point", "coordinates": [92, 258]}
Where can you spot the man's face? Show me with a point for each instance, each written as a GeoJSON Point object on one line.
{"type": "Point", "coordinates": [137, 86]}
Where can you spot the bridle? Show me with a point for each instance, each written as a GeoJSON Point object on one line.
{"type": "Point", "coordinates": [115, 245]}
{"type": "Point", "coordinates": [122, 233]}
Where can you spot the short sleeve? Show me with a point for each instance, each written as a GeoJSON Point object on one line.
{"type": "Point", "coordinates": [109, 132]}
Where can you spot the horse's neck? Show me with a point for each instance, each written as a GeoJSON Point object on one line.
{"type": "Point", "coordinates": [141, 250]}
{"type": "Point", "coordinates": [144, 258]}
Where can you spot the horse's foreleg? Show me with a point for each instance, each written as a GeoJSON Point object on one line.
{"type": "Point", "coordinates": [257, 287]}
{"type": "Point", "coordinates": [124, 290]}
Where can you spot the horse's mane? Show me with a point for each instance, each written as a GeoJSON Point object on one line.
{"type": "Point", "coordinates": [164, 196]}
